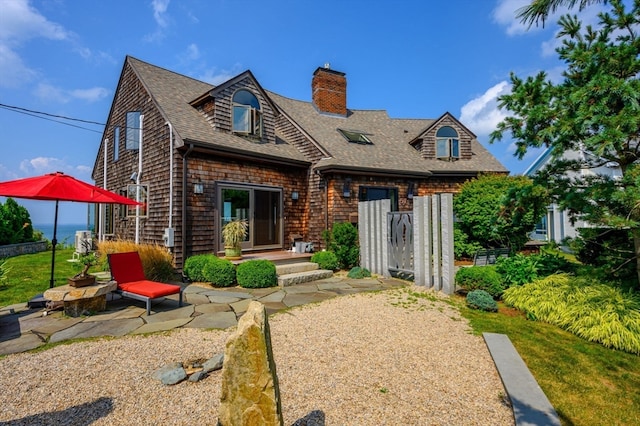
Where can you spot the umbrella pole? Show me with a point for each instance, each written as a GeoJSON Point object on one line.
{"type": "Point", "coordinates": [54, 242]}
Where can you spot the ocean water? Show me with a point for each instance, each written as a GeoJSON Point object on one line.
{"type": "Point", "coordinates": [66, 232]}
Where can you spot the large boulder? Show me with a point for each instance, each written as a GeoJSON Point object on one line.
{"type": "Point", "coordinates": [250, 393]}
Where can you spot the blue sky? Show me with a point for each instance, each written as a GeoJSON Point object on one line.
{"type": "Point", "coordinates": [415, 59]}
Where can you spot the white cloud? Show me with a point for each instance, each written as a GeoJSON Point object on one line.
{"type": "Point", "coordinates": [482, 114]}
{"type": "Point", "coordinates": [93, 94]}
{"type": "Point", "coordinates": [159, 12]}
{"type": "Point", "coordinates": [20, 22]}
{"type": "Point", "coordinates": [215, 76]}
{"type": "Point", "coordinates": [42, 165]}
{"type": "Point", "coordinates": [49, 92]}
{"type": "Point", "coordinates": [506, 13]}
{"type": "Point", "coordinates": [193, 52]}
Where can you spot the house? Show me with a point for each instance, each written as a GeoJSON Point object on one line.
{"type": "Point", "coordinates": [199, 155]}
{"type": "Point", "coordinates": [556, 226]}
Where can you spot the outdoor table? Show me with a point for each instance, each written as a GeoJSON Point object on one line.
{"type": "Point", "coordinates": [78, 300]}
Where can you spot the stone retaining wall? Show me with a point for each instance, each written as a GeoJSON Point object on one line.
{"type": "Point", "coordinates": [11, 250]}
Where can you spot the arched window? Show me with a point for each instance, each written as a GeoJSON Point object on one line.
{"type": "Point", "coordinates": [247, 118]}
{"type": "Point", "coordinates": [447, 144]}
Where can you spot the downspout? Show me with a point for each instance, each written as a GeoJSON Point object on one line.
{"type": "Point", "coordinates": [184, 203]}
{"type": "Point", "coordinates": [104, 179]}
{"type": "Point", "coordinates": [138, 181]}
{"type": "Point", "coordinates": [170, 174]}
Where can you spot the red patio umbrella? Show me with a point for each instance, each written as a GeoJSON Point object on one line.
{"type": "Point", "coordinates": [60, 187]}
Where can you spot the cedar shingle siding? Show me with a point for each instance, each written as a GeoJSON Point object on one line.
{"type": "Point", "coordinates": [300, 150]}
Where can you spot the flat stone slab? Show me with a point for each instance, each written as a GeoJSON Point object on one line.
{"type": "Point", "coordinates": [176, 313]}
{"type": "Point", "coordinates": [196, 299]}
{"type": "Point", "coordinates": [23, 343]}
{"type": "Point", "coordinates": [241, 306]}
{"type": "Point", "coordinates": [302, 299]}
{"type": "Point", "coordinates": [220, 320]}
{"type": "Point", "coordinates": [162, 326]}
{"type": "Point", "coordinates": [225, 293]}
{"type": "Point", "coordinates": [530, 405]}
{"type": "Point", "coordinates": [276, 296]}
{"type": "Point", "coordinates": [45, 325]}
{"type": "Point", "coordinates": [118, 327]}
{"type": "Point", "coordinates": [212, 308]}
{"type": "Point", "coordinates": [126, 313]}
{"type": "Point", "coordinates": [301, 288]}
{"type": "Point", "coordinates": [333, 286]}
{"type": "Point", "coordinates": [215, 298]}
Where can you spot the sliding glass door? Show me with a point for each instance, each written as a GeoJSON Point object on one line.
{"type": "Point", "coordinates": [260, 206]}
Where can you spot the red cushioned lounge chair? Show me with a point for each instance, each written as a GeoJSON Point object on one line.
{"type": "Point", "coordinates": [126, 270]}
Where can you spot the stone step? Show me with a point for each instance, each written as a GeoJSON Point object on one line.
{"type": "Point", "coordinates": [303, 277]}
{"type": "Point", "coordinates": [293, 268]}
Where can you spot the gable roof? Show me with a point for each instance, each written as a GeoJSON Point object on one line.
{"type": "Point", "coordinates": [390, 152]}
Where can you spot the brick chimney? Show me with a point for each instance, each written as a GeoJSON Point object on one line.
{"type": "Point", "coordinates": [329, 91]}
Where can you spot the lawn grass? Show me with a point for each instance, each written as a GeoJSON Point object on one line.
{"type": "Point", "coordinates": [29, 275]}
{"type": "Point", "coordinates": [586, 383]}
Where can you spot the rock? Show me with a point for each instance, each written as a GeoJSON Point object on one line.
{"type": "Point", "coordinates": [250, 393]}
{"type": "Point", "coordinates": [170, 374]}
{"type": "Point", "coordinates": [197, 376]}
{"type": "Point", "coordinates": [314, 418]}
{"type": "Point", "coordinates": [214, 363]}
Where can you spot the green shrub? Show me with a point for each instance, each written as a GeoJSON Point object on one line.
{"type": "Point", "coordinates": [480, 299]}
{"type": "Point", "coordinates": [594, 311]}
{"type": "Point", "coordinates": [344, 243]}
{"type": "Point", "coordinates": [219, 272]}
{"type": "Point", "coordinates": [552, 263]}
{"type": "Point", "coordinates": [326, 260]}
{"type": "Point", "coordinates": [357, 273]}
{"type": "Point", "coordinates": [480, 278]}
{"type": "Point", "coordinates": [462, 247]}
{"type": "Point", "coordinates": [517, 270]}
{"type": "Point", "coordinates": [194, 267]}
{"type": "Point", "coordinates": [256, 274]}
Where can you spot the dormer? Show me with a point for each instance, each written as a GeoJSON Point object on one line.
{"type": "Point", "coordinates": [446, 140]}
{"type": "Point", "coordinates": [240, 107]}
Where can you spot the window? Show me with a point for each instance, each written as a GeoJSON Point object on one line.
{"type": "Point", "coordinates": [247, 118]}
{"type": "Point", "coordinates": [116, 140]}
{"type": "Point", "coordinates": [447, 144]}
{"type": "Point", "coordinates": [108, 219]}
{"type": "Point", "coordinates": [133, 130]}
{"type": "Point", "coordinates": [372, 193]}
{"type": "Point", "coordinates": [355, 136]}
{"type": "Point", "coordinates": [141, 196]}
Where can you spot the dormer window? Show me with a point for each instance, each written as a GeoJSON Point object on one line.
{"type": "Point", "coordinates": [355, 136]}
{"type": "Point", "coordinates": [247, 118]}
{"type": "Point", "coordinates": [447, 144]}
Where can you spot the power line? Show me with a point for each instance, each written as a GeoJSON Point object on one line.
{"type": "Point", "coordinates": [39, 114]}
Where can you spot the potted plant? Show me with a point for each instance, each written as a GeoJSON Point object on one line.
{"type": "Point", "coordinates": [83, 278]}
{"type": "Point", "coordinates": [233, 234]}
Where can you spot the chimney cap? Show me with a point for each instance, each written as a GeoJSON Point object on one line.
{"type": "Point", "coordinates": [329, 70]}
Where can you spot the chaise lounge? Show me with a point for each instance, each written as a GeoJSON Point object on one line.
{"type": "Point", "coordinates": [126, 270]}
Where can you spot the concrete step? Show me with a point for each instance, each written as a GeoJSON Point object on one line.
{"type": "Point", "coordinates": [293, 268]}
{"type": "Point", "coordinates": [303, 277]}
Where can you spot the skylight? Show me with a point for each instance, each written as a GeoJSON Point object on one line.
{"type": "Point", "coordinates": [355, 136]}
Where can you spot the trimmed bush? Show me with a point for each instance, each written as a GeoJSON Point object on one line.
{"type": "Point", "coordinates": [219, 272]}
{"type": "Point", "coordinates": [480, 278]}
{"type": "Point", "coordinates": [194, 267]}
{"type": "Point", "coordinates": [344, 243]}
{"type": "Point", "coordinates": [480, 299]}
{"type": "Point", "coordinates": [593, 311]}
{"type": "Point", "coordinates": [256, 274]}
{"type": "Point", "coordinates": [358, 273]}
{"type": "Point", "coordinates": [326, 260]}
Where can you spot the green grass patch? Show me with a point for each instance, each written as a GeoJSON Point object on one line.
{"type": "Point", "coordinates": [587, 383]}
{"type": "Point", "coordinates": [29, 275]}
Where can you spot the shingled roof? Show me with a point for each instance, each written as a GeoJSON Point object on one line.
{"type": "Point", "coordinates": [390, 151]}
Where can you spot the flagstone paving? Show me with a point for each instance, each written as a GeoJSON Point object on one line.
{"type": "Point", "coordinates": [23, 329]}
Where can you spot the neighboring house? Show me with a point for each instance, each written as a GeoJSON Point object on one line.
{"type": "Point", "coordinates": [556, 225]}
{"type": "Point", "coordinates": [204, 155]}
